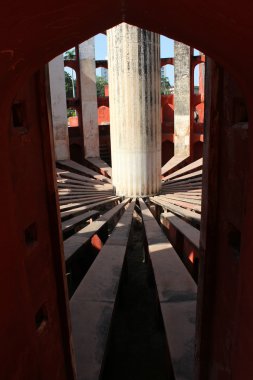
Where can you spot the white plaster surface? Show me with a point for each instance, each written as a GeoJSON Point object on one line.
{"type": "Point", "coordinates": [135, 124]}
{"type": "Point", "coordinates": [89, 98]}
{"type": "Point", "coordinates": [182, 72]}
{"type": "Point", "coordinates": [59, 108]}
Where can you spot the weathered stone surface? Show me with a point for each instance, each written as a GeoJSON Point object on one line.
{"type": "Point", "coordinates": [134, 82]}
{"type": "Point", "coordinates": [182, 66]}
{"type": "Point", "coordinates": [93, 302]}
{"type": "Point", "coordinates": [59, 108]}
{"type": "Point", "coordinates": [89, 98]}
{"type": "Point", "coordinates": [177, 295]}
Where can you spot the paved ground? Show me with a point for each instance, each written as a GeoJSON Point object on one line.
{"type": "Point", "coordinates": [138, 348]}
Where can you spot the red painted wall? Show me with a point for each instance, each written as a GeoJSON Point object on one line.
{"type": "Point", "coordinates": [222, 255]}
{"type": "Point", "coordinates": [103, 115]}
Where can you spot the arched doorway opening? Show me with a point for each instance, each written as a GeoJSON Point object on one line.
{"type": "Point", "coordinates": [20, 73]}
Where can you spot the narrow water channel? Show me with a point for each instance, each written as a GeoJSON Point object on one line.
{"type": "Point", "coordinates": [137, 348]}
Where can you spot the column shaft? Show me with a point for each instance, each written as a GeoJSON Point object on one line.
{"type": "Point", "coordinates": [59, 108]}
{"type": "Point", "coordinates": [182, 91]}
{"type": "Point", "coordinates": [89, 98]}
{"type": "Point", "coordinates": [135, 123]}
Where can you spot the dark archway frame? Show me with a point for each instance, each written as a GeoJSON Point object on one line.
{"type": "Point", "coordinates": [32, 34]}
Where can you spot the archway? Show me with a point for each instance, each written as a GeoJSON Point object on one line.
{"type": "Point", "coordinates": [24, 52]}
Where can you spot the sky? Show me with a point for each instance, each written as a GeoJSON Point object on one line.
{"type": "Point", "coordinates": [167, 50]}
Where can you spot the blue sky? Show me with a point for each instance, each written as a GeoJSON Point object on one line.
{"type": "Point", "coordinates": [167, 50]}
{"type": "Point", "coordinates": [167, 47]}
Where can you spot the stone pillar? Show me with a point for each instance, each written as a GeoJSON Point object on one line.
{"type": "Point", "coordinates": [135, 123]}
{"type": "Point", "coordinates": [182, 93]}
{"type": "Point", "coordinates": [59, 108]}
{"type": "Point", "coordinates": [202, 80]}
{"type": "Point", "coordinates": [89, 98]}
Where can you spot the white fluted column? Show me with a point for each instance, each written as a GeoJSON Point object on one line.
{"type": "Point", "coordinates": [182, 93]}
{"type": "Point", "coordinates": [135, 124]}
{"type": "Point", "coordinates": [59, 108]}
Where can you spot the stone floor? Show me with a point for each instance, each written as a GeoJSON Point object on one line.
{"type": "Point", "coordinates": [137, 345]}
